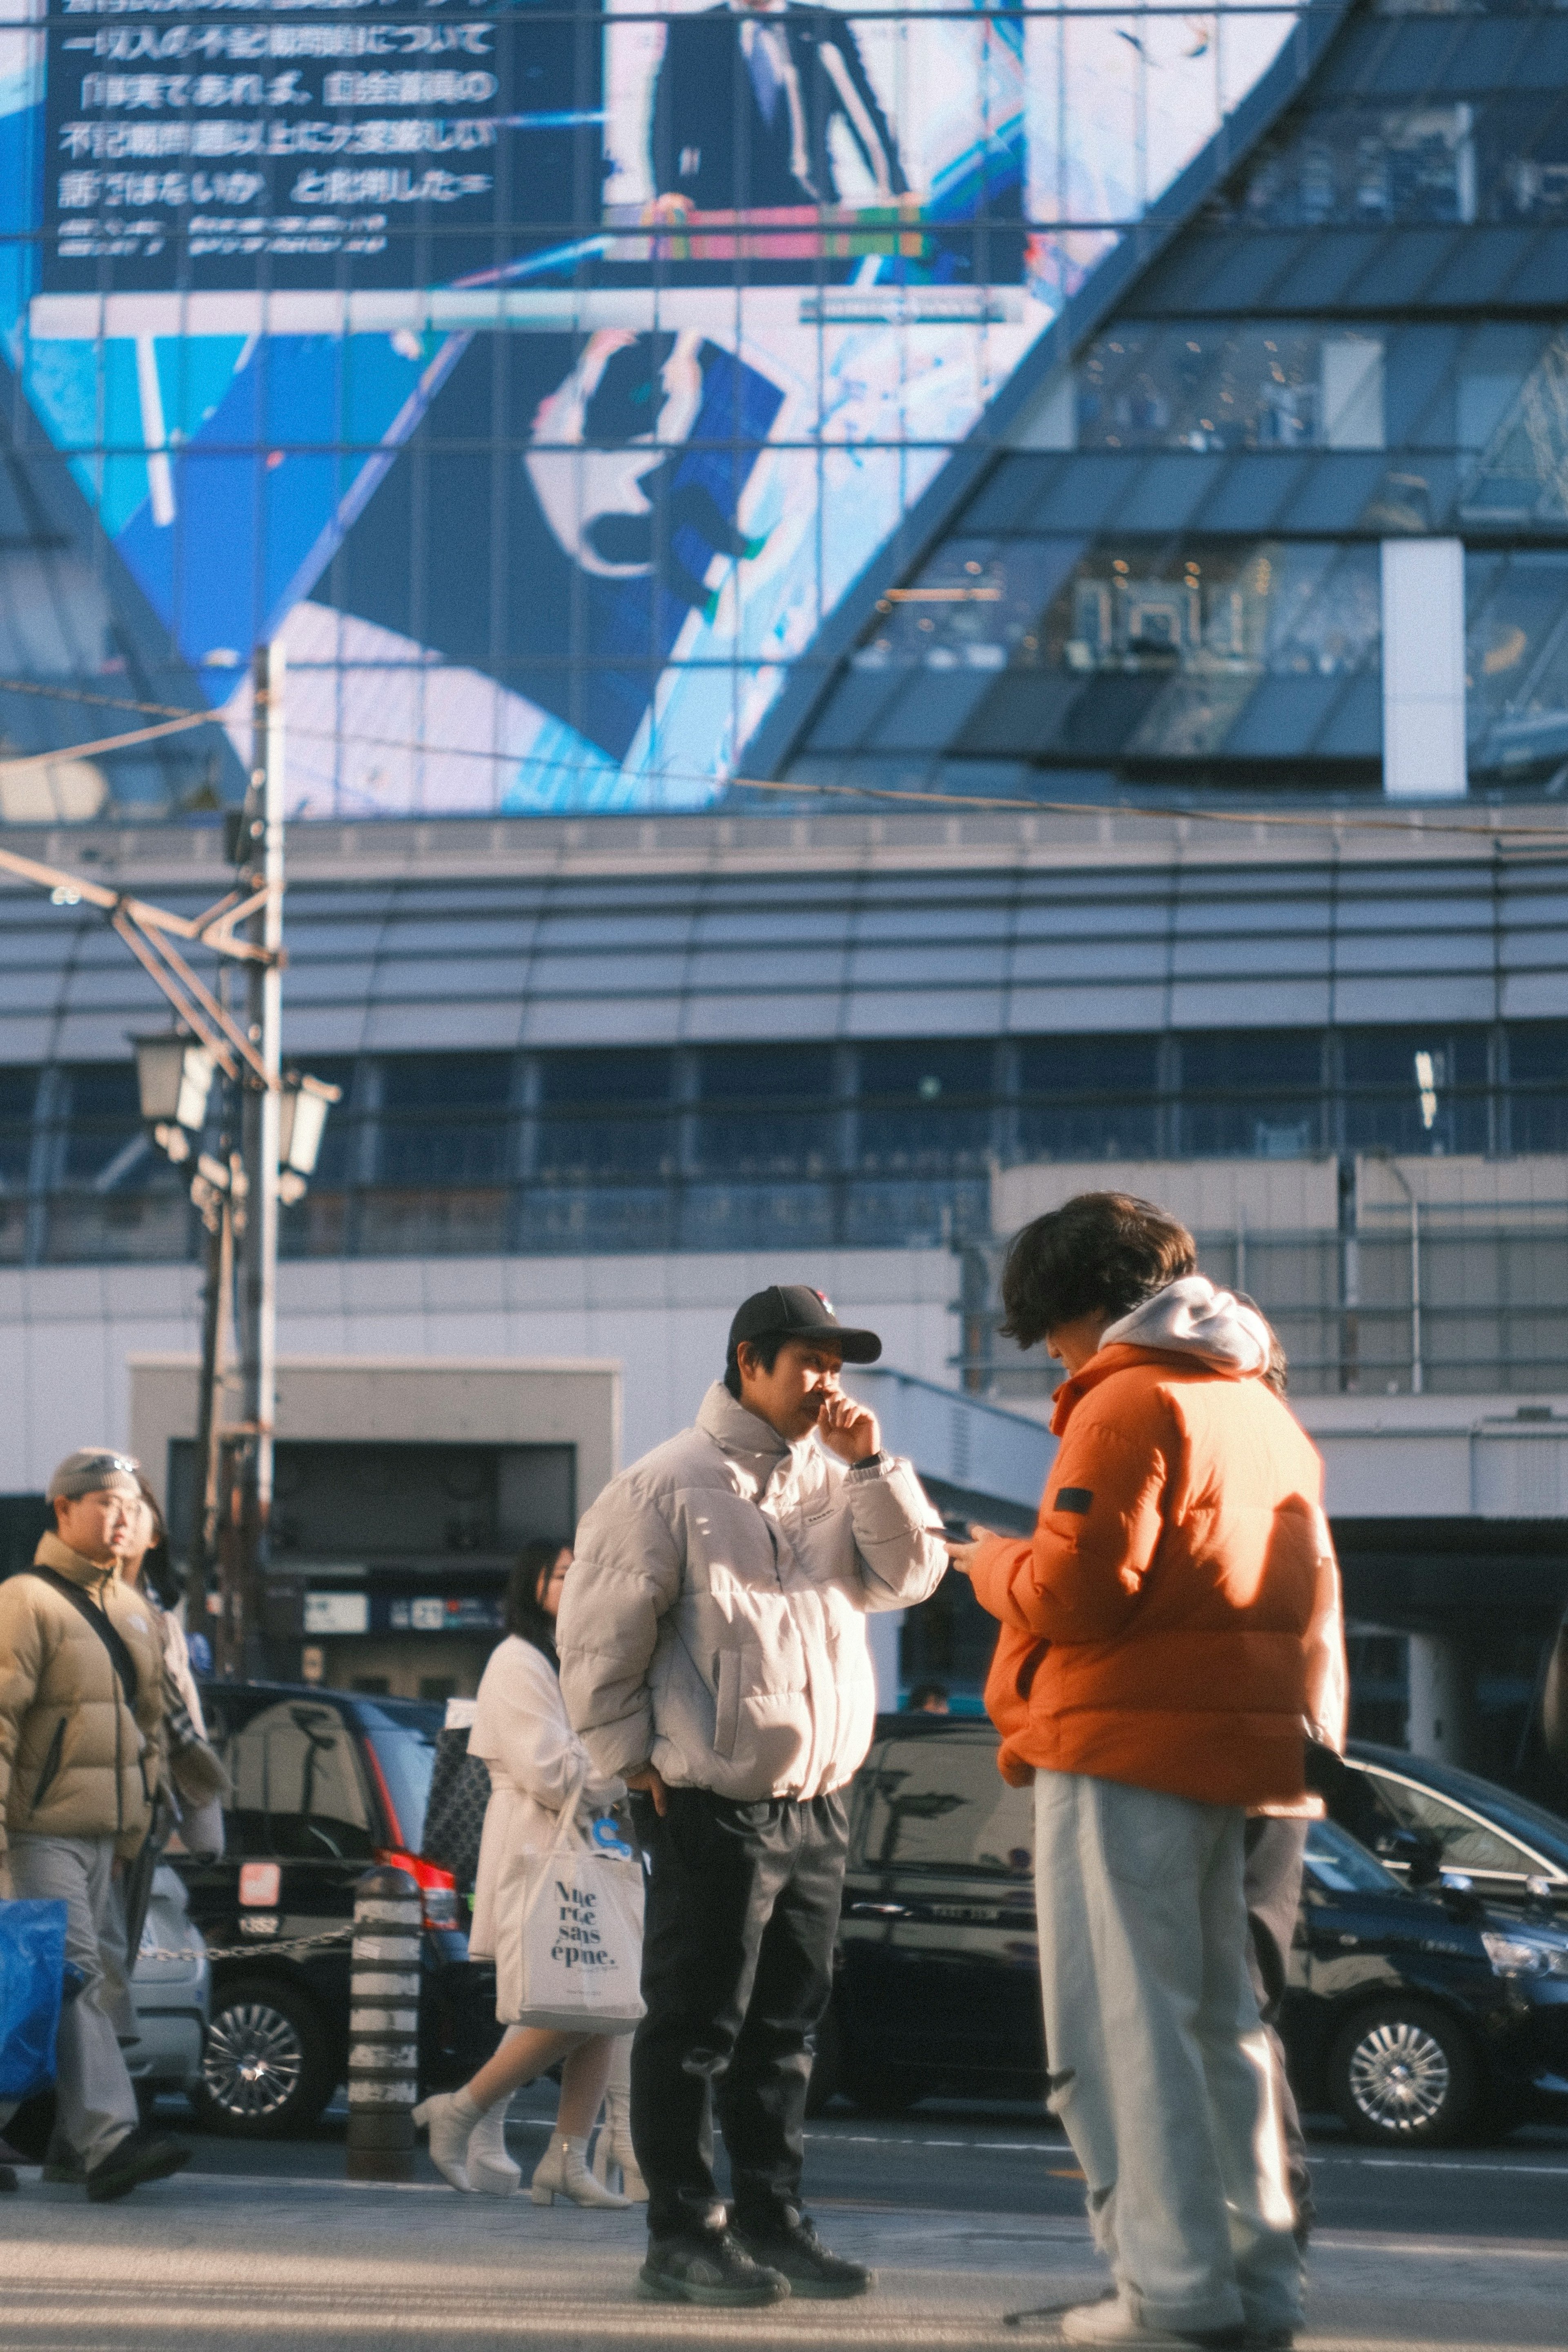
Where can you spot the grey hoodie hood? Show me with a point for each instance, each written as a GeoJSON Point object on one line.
{"type": "Point", "coordinates": [1191, 1318]}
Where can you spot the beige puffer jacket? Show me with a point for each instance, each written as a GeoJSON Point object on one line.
{"type": "Point", "coordinates": [74, 1761]}
{"type": "Point", "coordinates": [714, 1621]}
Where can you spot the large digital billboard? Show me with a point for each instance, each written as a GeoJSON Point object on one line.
{"type": "Point", "coordinates": [544, 376]}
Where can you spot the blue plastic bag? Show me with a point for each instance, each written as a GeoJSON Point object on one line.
{"type": "Point", "coordinates": [32, 1979]}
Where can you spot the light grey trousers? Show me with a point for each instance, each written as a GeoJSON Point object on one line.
{"type": "Point", "coordinates": [1159, 2067]}
{"type": "Point", "coordinates": [94, 2102]}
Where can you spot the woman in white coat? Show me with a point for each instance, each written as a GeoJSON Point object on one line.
{"type": "Point", "coordinates": [536, 1759]}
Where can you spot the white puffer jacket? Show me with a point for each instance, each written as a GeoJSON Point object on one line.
{"type": "Point", "coordinates": [713, 1620]}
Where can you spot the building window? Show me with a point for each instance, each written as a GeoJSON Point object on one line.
{"type": "Point", "coordinates": [1088, 1097]}
{"type": "Point", "coordinates": [925, 1110]}
{"type": "Point", "coordinates": [1251, 1092]}
{"type": "Point", "coordinates": [444, 1119]}
{"type": "Point", "coordinates": [606, 1115]}
{"type": "Point", "coordinates": [1538, 1087]}
{"type": "Point", "coordinates": [1281, 384]}
{"type": "Point", "coordinates": [766, 1111]}
{"type": "Point", "coordinates": [1415, 1090]}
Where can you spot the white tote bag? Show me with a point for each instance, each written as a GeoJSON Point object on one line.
{"type": "Point", "coordinates": [568, 1934]}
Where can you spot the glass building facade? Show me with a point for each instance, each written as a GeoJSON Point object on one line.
{"type": "Point", "coordinates": [1214, 556]}
{"type": "Point", "coordinates": [545, 372]}
{"type": "Point", "coordinates": [717, 1148]}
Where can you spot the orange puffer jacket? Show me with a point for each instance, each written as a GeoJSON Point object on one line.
{"type": "Point", "coordinates": [1156, 1627]}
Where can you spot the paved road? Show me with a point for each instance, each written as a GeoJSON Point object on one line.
{"type": "Point", "coordinates": [971, 2214]}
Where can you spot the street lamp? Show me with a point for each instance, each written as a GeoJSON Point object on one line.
{"type": "Point", "coordinates": [236, 1194]}
{"type": "Point", "coordinates": [174, 1077]}
{"type": "Point", "coordinates": [301, 1119]}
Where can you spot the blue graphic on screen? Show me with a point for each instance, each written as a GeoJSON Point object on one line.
{"type": "Point", "coordinates": [605, 532]}
{"type": "Point", "coordinates": [544, 380]}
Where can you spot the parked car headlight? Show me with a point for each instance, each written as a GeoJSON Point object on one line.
{"type": "Point", "coordinates": [1525, 1956]}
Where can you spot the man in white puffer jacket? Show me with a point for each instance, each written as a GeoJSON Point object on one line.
{"type": "Point", "coordinates": [714, 1656]}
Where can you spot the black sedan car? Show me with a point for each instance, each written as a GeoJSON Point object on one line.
{"type": "Point", "coordinates": [326, 1783]}
{"type": "Point", "coordinates": [1514, 1854]}
{"type": "Point", "coordinates": [1418, 2015]}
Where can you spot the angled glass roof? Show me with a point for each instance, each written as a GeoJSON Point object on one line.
{"type": "Point", "coordinates": [82, 659]}
{"type": "Point", "coordinates": [1169, 584]}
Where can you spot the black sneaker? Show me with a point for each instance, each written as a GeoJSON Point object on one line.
{"type": "Point", "coordinates": [141, 2155]}
{"type": "Point", "coordinates": [790, 2246]}
{"type": "Point", "coordinates": [708, 2266]}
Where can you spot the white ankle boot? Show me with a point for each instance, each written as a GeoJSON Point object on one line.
{"type": "Point", "coordinates": [563, 2171]}
{"type": "Point", "coordinates": [449, 2135]}
{"type": "Point", "coordinates": [489, 2168]}
{"type": "Point", "coordinates": [614, 2159]}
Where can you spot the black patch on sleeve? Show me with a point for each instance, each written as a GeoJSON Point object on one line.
{"type": "Point", "coordinates": [1074, 1498]}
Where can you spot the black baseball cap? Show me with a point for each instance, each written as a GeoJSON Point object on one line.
{"type": "Point", "coordinates": [793, 1310]}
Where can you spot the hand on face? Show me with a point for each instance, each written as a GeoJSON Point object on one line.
{"type": "Point", "coordinates": [846, 1428]}
{"type": "Point", "coordinates": [802, 1393]}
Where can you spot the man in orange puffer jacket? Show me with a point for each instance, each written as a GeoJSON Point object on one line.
{"type": "Point", "coordinates": [1152, 1680]}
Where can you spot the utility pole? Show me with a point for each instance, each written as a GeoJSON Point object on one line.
{"type": "Point", "coordinates": [263, 854]}
{"type": "Point", "coordinates": [280, 1125]}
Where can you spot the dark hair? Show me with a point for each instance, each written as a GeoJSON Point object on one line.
{"type": "Point", "coordinates": [1100, 1253]}
{"type": "Point", "coordinates": [525, 1617]}
{"type": "Point", "coordinates": [764, 1349]}
{"type": "Point", "coordinates": [921, 1696]}
{"type": "Point", "coordinates": [157, 1568]}
{"type": "Point", "coordinates": [1277, 1371]}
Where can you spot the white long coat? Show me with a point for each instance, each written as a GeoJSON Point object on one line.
{"type": "Point", "coordinates": [521, 1731]}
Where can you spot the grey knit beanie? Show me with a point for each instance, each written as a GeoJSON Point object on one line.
{"type": "Point", "coordinates": [94, 1470]}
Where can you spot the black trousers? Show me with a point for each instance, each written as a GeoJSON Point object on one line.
{"type": "Point", "coordinates": [1276, 1852]}
{"type": "Point", "coordinates": [738, 1947]}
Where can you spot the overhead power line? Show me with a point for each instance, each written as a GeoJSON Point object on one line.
{"type": "Point", "coordinates": [1335, 820]}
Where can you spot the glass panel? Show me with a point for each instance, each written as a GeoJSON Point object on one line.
{"type": "Point", "coordinates": [1538, 1087]}
{"type": "Point", "coordinates": [923, 1108]}
{"type": "Point", "coordinates": [1163, 644]}
{"type": "Point", "coordinates": [464, 1221]}
{"type": "Point", "coordinates": [972, 606]}
{"type": "Point", "coordinates": [1467, 1843]}
{"type": "Point", "coordinates": [1280, 386]}
{"type": "Point", "coordinates": [1415, 1090]}
{"type": "Point", "coordinates": [1252, 1091]}
{"type": "Point", "coordinates": [1336, 1862]}
{"type": "Point", "coordinates": [105, 1145]}
{"type": "Point", "coordinates": [766, 1128]}
{"type": "Point", "coordinates": [403, 1739]}
{"type": "Point", "coordinates": [297, 1793]}
{"type": "Point", "coordinates": [444, 1118]}
{"type": "Point", "coordinates": [18, 1092]}
{"type": "Point", "coordinates": [1517, 660]}
{"type": "Point", "coordinates": [1089, 1098]}
{"type": "Point", "coordinates": [598, 1117]}
{"type": "Point", "coordinates": [940, 1804]}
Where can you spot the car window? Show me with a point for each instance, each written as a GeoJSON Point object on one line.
{"type": "Point", "coordinates": [1334, 1861]}
{"type": "Point", "coordinates": [1467, 1843]}
{"type": "Point", "coordinates": [403, 1746]}
{"type": "Point", "coordinates": [298, 1791]}
{"type": "Point", "coordinates": [941, 1804]}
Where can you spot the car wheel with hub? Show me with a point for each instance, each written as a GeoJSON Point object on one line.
{"type": "Point", "coordinates": [1403, 2074]}
{"type": "Point", "coordinates": [264, 2069]}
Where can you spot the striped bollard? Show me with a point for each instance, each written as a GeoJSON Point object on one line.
{"type": "Point", "coordinates": [383, 2027]}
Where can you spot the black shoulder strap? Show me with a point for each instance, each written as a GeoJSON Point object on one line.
{"type": "Point", "coordinates": [108, 1632]}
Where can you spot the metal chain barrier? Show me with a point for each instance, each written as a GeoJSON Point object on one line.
{"type": "Point", "coordinates": [261, 1945]}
